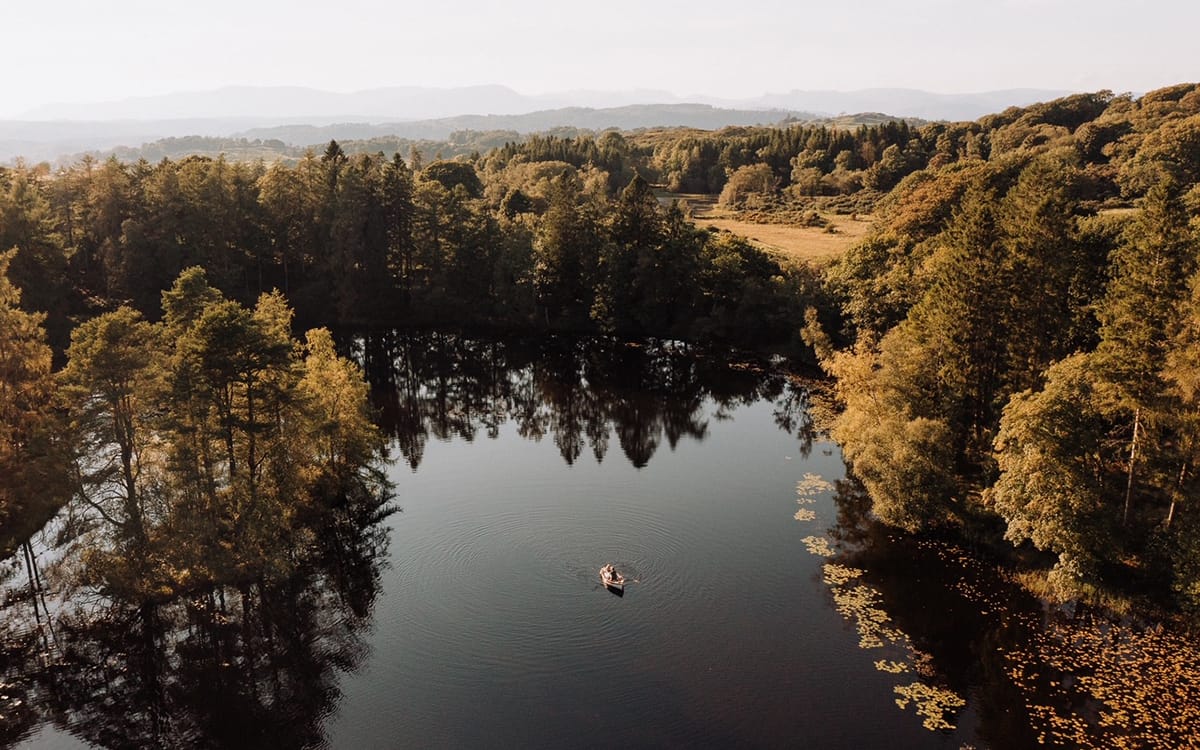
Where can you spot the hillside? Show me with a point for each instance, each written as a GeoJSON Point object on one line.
{"type": "Point", "coordinates": [397, 103]}
{"type": "Point", "coordinates": [633, 117]}
{"type": "Point", "coordinates": [303, 117]}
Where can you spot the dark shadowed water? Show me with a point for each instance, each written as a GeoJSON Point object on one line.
{"type": "Point", "coordinates": [475, 616]}
{"type": "Point", "coordinates": [492, 628]}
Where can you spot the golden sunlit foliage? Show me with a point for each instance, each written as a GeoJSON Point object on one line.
{"type": "Point", "coordinates": [206, 441]}
{"type": "Point", "coordinates": [1016, 349]}
{"type": "Point", "coordinates": [32, 472]}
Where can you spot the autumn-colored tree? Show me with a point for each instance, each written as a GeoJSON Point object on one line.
{"type": "Point", "coordinates": [752, 183]}
{"type": "Point", "coordinates": [1139, 317]}
{"type": "Point", "coordinates": [1056, 487]}
{"type": "Point", "coordinates": [113, 385]}
{"type": "Point", "coordinates": [903, 456]}
{"type": "Point", "coordinates": [32, 458]}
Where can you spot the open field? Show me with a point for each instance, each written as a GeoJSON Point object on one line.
{"type": "Point", "coordinates": [799, 243]}
{"type": "Point", "coordinates": [792, 241]}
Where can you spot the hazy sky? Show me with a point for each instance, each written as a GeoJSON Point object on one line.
{"type": "Point", "coordinates": [93, 50]}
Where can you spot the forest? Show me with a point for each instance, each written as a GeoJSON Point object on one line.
{"type": "Point", "coordinates": [190, 449]}
{"type": "Point", "coordinates": [1022, 352]}
{"type": "Point", "coordinates": [1014, 348]}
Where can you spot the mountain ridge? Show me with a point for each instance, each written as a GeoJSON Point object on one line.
{"type": "Point", "coordinates": [423, 103]}
{"type": "Point", "coordinates": [279, 113]}
{"type": "Point", "coordinates": [629, 117]}
{"type": "Point", "coordinates": [51, 140]}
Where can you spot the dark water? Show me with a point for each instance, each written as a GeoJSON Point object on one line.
{"type": "Point", "coordinates": [492, 628]}
{"type": "Point", "coordinates": [475, 617]}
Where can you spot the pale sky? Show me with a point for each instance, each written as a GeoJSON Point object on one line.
{"type": "Point", "coordinates": [98, 50]}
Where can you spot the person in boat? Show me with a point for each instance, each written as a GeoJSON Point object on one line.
{"type": "Point", "coordinates": [609, 572]}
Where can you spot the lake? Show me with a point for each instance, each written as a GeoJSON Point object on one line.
{"type": "Point", "coordinates": [492, 627]}
{"type": "Point", "coordinates": [763, 610]}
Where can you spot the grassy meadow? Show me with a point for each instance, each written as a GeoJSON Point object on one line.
{"type": "Point", "coordinates": [774, 232]}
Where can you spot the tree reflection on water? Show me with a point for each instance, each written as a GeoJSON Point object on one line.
{"type": "Point", "coordinates": [255, 661]}
{"type": "Point", "coordinates": [580, 392]}
{"type": "Point", "coordinates": [251, 664]}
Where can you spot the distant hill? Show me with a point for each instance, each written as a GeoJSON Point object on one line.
{"type": "Point", "coordinates": [905, 102]}
{"type": "Point", "coordinates": [302, 117]}
{"type": "Point", "coordinates": [291, 143]}
{"type": "Point", "coordinates": [50, 141]}
{"type": "Point", "coordinates": [290, 103]}
{"type": "Point", "coordinates": [37, 141]}
{"type": "Point", "coordinates": [632, 117]}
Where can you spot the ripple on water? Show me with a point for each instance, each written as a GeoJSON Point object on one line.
{"type": "Point", "coordinates": [516, 591]}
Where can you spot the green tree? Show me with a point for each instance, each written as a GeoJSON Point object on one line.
{"type": "Point", "coordinates": [1139, 317]}
{"type": "Point", "coordinates": [451, 174]}
{"type": "Point", "coordinates": [32, 469]}
{"type": "Point", "coordinates": [1056, 275]}
{"type": "Point", "coordinates": [636, 229]}
{"type": "Point", "coordinates": [355, 260]}
{"type": "Point", "coordinates": [209, 445]}
{"type": "Point", "coordinates": [288, 213]}
{"type": "Point", "coordinates": [185, 301]}
{"type": "Point", "coordinates": [515, 203]}
{"type": "Point", "coordinates": [152, 249]}
{"type": "Point", "coordinates": [1182, 374]}
{"type": "Point", "coordinates": [567, 253]}
{"type": "Point", "coordinates": [394, 193]}
{"type": "Point", "coordinates": [895, 163]}
{"type": "Point", "coordinates": [1055, 487]}
{"type": "Point", "coordinates": [961, 325]}
{"type": "Point", "coordinates": [753, 183]}
{"type": "Point", "coordinates": [39, 268]}
{"type": "Point", "coordinates": [112, 380]}
{"type": "Point", "coordinates": [740, 293]}
{"type": "Point", "coordinates": [666, 276]}
{"type": "Point", "coordinates": [230, 358]}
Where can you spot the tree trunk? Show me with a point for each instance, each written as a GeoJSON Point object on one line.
{"type": "Point", "coordinates": [33, 593]}
{"type": "Point", "coordinates": [125, 437]}
{"type": "Point", "coordinates": [1175, 495]}
{"type": "Point", "coordinates": [1133, 452]}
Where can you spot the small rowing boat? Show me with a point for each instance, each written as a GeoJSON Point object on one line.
{"type": "Point", "coordinates": [611, 578]}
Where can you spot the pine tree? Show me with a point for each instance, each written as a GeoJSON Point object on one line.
{"type": "Point", "coordinates": [1056, 277]}
{"type": "Point", "coordinates": [32, 459]}
{"type": "Point", "coordinates": [636, 229]}
{"type": "Point", "coordinates": [963, 322]}
{"type": "Point", "coordinates": [567, 252]}
{"type": "Point", "coordinates": [27, 222]}
{"type": "Point", "coordinates": [1139, 317]}
{"type": "Point", "coordinates": [113, 384]}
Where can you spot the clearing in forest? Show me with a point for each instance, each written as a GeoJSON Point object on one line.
{"type": "Point", "coordinates": [793, 241]}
